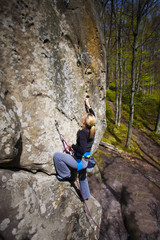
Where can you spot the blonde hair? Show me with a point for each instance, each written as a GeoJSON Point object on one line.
{"type": "Point", "coordinates": [90, 122]}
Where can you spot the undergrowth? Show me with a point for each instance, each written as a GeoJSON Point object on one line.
{"type": "Point", "coordinates": [146, 109]}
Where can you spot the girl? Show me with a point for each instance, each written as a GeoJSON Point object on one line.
{"type": "Point", "coordinates": [82, 148]}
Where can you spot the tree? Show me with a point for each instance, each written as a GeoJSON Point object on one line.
{"type": "Point", "coordinates": [120, 65]}
{"type": "Point", "coordinates": [139, 9]}
{"type": "Point", "coordinates": [109, 47]}
{"type": "Point", "coordinates": [132, 50]}
{"type": "Point", "coordinates": [157, 128]}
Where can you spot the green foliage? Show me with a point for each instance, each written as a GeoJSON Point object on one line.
{"type": "Point", "coordinates": [115, 135]}
{"type": "Point", "coordinates": [156, 137]}
{"type": "Point", "coordinates": [112, 86]}
{"type": "Point", "coordinates": [146, 109]}
{"type": "Point", "coordinates": [97, 156]}
{"type": "Point", "coordinates": [109, 111]}
{"type": "Point", "coordinates": [126, 98]}
{"type": "Point", "coordinates": [146, 67]}
{"type": "Point", "coordinates": [125, 112]}
{"type": "Point", "coordinates": [110, 95]}
{"type": "Point", "coordinates": [144, 112]}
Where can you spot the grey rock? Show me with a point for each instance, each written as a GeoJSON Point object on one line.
{"type": "Point", "coordinates": [129, 195]}
{"type": "Point", "coordinates": [9, 132]}
{"type": "Point", "coordinates": [38, 207]}
{"type": "Point", "coordinates": [42, 80]}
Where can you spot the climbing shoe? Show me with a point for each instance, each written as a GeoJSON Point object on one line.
{"type": "Point", "coordinates": [63, 179]}
{"type": "Point", "coordinates": [59, 177]}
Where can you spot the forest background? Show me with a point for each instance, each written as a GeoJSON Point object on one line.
{"type": "Point", "coordinates": [132, 40]}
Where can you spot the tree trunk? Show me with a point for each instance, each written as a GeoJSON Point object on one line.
{"type": "Point", "coordinates": [125, 67]}
{"type": "Point", "coordinates": [140, 67]}
{"type": "Point", "coordinates": [157, 128]}
{"type": "Point", "coordinates": [108, 50]}
{"type": "Point", "coordinates": [116, 77]}
{"type": "Point", "coordinates": [120, 76]}
{"type": "Point", "coordinates": [139, 75]}
{"type": "Point", "coordinates": [103, 8]}
{"type": "Point", "coordinates": [107, 71]}
{"type": "Point", "coordinates": [132, 92]}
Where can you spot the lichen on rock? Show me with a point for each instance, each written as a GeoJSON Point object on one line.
{"type": "Point", "coordinates": [39, 207]}
{"type": "Point", "coordinates": [41, 76]}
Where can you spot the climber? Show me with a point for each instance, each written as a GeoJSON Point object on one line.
{"type": "Point", "coordinates": [85, 138]}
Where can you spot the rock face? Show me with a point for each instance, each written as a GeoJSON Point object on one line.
{"type": "Point", "coordinates": [40, 79]}
{"type": "Point", "coordinates": [37, 207]}
{"type": "Point", "coordinates": [10, 129]}
{"type": "Point", "coordinates": [40, 82]}
{"type": "Point", "coordinates": [129, 195]}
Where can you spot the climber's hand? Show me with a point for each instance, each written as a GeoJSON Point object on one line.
{"type": "Point", "coordinates": [70, 145]}
{"type": "Point", "coordinates": [87, 102]}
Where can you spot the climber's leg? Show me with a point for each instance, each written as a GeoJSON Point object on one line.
{"type": "Point", "coordinates": [84, 184]}
{"type": "Point", "coordinates": [63, 162]}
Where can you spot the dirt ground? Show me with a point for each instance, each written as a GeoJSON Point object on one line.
{"type": "Point", "coordinates": [129, 191]}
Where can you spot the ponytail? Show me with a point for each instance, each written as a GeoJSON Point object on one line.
{"type": "Point", "coordinates": [91, 132]}
{"type": "Point", "coordinates": [90, 123]}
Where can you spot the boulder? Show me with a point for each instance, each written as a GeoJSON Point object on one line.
{"type": "Point", "coordinates": [38, 207]}
{"type": "Point", "coordinates": [42, 80]}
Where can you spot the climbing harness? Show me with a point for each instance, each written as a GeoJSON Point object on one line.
{"type": "Point", "coordinates": [87, 157]}
{"type": "Point", "coordinates": [79, 162]}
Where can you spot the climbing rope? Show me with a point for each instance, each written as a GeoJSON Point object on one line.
{"type": "Point", "coordinates": [89, 213]}
{"type": "Point", "coordinates": [66, 149]}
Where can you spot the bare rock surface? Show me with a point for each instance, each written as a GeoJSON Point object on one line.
{"type": "Point", "coordinates": [38, 207]}
{"type": "Point", "coordinates": [129, 193]}
{"type": "Point", "coordinates": [10, 132]}
{"type": "Point", "coordinates": [40, 80]}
